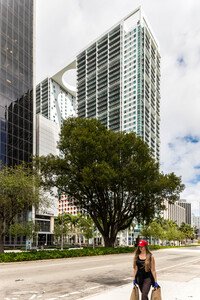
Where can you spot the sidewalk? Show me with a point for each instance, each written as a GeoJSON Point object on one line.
{"type": "Point", "coordinates": [171, 290]}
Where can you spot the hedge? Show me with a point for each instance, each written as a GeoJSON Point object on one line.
{"type": "Point", "coordinates": [53, 254]}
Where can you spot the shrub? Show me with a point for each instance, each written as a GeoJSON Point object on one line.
{"type": "Point", "coordinates": [53, 254]}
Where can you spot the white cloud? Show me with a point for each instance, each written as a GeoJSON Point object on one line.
{"type": "Point", "coordinates": [64, 27]}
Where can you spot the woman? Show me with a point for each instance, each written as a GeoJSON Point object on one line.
{"type": "Point", "coordinates": [144, 269]}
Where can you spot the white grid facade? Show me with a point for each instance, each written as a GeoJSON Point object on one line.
{"type": "Point", "coordinates": [118, 80]}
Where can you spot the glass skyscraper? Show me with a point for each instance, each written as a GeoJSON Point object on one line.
{"type": "Point", "coordinates": [16, 81]}
{"type": "Point", "coordinates": [118, 80]}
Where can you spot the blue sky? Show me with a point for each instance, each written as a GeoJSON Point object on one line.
{"type": "Point", "coordinates": [64, 27]}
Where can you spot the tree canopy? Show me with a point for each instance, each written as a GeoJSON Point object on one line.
{"type": "Point", "coordinates": [19, 191]}
{"type": "Point", "coordinates": [187, 230]}
{"type": "Point", "coordinates": [112, 175]}
{"type": "Point", "coordinates": [167, 230]}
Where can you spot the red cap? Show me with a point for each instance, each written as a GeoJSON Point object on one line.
{"type": "Point", "coordinates": [142, 243]}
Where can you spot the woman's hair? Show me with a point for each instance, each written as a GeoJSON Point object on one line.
{"type": "Point", "coordinates": [147, 261]}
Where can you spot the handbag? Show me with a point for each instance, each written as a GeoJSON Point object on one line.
{"type": "Point", "coordinates": [156, 294]}
{"type": "Point", "coordinates": [135, 293]}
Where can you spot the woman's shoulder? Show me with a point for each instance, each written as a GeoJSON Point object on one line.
{"type": "Point", "coordinates": [152, 257]}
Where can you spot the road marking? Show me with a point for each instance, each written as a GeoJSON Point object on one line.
{"type": "Point", "coordinates": [32, 297]}
{"type": "Point", "coordinates": [66, 295]}
{"type": "Point", "coordinates": [92, 288]}
{"type": "Point", "coordinates": [88, 289]}
{"type": "Point", "coordinates": [76, 262]}
{"type": "Point", "coordinates": [182, 264]}
{"type": "Point", "coordinates": [107, 266]}
{"type": "Point", "coordinates": [25, 292]}
{"type": "Point", "coordinates": [74, 293]}
{"type": "Point", "coordinates": [183, 250]}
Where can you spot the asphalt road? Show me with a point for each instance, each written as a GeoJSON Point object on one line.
{"type": "Point", "coordinates": [78, 278]}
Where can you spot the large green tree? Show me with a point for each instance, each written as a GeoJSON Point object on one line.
{"type": "Point", "coordinates": [62, 227]}
{"type": "Point", "coordinates": [187, 230]}
{"type": "Point", "coordinates": [19, 191]}
{"type": "Point", "coordinates": [112, 175]}
{"type": "Point", "coordinates": [153, 229]}
{"type": "Point", "coordinates": [87, 226]}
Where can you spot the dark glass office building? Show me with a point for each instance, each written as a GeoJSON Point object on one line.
{"type": "Point", "coordinates": [16, 81]}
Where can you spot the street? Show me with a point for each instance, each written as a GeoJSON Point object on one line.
{"type": "Point", "coordinates": [78, 278]}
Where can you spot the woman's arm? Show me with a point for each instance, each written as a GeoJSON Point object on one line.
{"type": "Point", "coordinates": [153, 268]}
{"type": "Point", "coordinates": [135, 272]}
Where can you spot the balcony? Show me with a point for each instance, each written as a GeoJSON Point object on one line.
{"type": "Point", "coordinates": [114, 75]}
{"type": "Point", "coordinates": [103, 116]}
{"type": "Point", "coordinates": [81, 94]}
{"type": "Point", "coordinates": [115, 46]}
{"type": "Point", "coordinates": [114, 80]}
{"type": "Point", "coordinates": [115, 32]}
{"type": "Point", "coordinates": [102, 79]}
{"type": "Point", "coordinates": [114, 68]}
{"type": "Point", "coordinates": [102, 51]}
{"type": "Point", "coordinates": [81, 58]}
{"type": "Point", "coordinates": [114, 55]}
{"type": "Point", "coordinates": [103, 42]}
{"type": "Point", "coordinates": [102, 109]}
{"type": "Point", "coordinates": [114, 39]}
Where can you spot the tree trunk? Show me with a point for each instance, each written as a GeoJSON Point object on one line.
{"type": "Point", "coordinates": [1, 244]}
{"type": "Point", "coordinates": [15, 238]}
{"type": "Point", "coordinates": [109, 241]}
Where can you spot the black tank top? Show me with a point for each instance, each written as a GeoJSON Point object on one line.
{"type": "Point", "coordinates": [140, 263]}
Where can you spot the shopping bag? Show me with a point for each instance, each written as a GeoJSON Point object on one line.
{"type": "Point", "coordinates": [156, 294]}
{"type": "Point", "coordinates": [135, 293]}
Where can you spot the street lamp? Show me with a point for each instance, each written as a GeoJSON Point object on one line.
{"type": "Point", "coordinates": [62, 200]}
{"type": "Point", "coordinates": [93, 237]}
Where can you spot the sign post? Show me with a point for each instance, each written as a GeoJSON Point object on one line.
{"type": "Point", "coordinates": [28, 245]}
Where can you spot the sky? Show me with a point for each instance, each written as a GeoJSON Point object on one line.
{"type": "Point", "coordinates": [65, 27]}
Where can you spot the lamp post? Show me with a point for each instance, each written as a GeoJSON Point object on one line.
{"type": "Point", "coordinates": [61, 223]}
{"type": "Point", "coordinates": [199, 222]}
{"type": "Point", "coordinates": [93, 237]}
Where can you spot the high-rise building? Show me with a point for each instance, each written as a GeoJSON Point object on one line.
{"type": "Point", "coordinates": [188, 213]}
{"type": "Point", "coordinates": [195, 221]}
{"type": "Point", "coordinates": [118, 80]}
{"type": "Point", "coordinates": [55, 102]}
{"type": "Point", "coordinates": [16, 81]}
{"type": "Point", "coordinates": [174, 212]}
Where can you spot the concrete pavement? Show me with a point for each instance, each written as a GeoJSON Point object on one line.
{"type": "Point", "coordinates": [171, 290]}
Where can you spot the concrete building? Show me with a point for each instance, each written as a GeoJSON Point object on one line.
{"type": "Point", "coordinates": [195, 221]}
{"type": "Point", "coordinates": [55, 101]}
{"type": "Point", "coordinates": [174, 212]}
{"type": "Point", "coordinates": [118, 80]}
{"type": "Point", "coordinates": [188, 212]}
